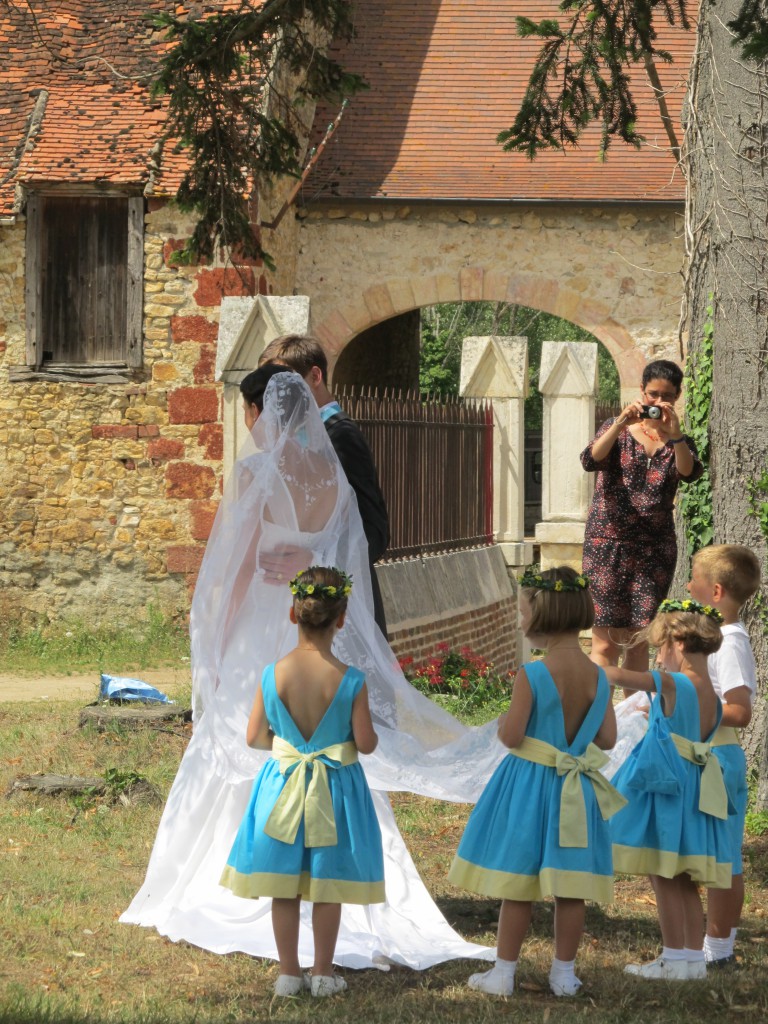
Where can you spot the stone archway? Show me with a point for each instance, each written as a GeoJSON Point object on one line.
{"type": "Point", "coordinates": [394, 296]}
{"type": "Point", "coordinates": [613, 269]}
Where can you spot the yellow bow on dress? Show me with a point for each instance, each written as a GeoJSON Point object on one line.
{"type": "Point", "coordinates": [309, 801]}
{"type": "Point", "coordinates": [713, 796]}
{"type": "Point", "coordinates": [573, 809]}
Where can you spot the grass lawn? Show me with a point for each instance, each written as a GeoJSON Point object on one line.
{"type": "Point", "coordinates": [70, 866]}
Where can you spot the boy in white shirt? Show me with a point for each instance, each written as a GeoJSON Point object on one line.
{"type": "Point", "coordinates": [726, 576]}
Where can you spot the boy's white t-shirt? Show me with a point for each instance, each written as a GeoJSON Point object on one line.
{"type": "Point", "coordinates": [734, 664]}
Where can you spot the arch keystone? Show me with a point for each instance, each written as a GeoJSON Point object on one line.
{"type": "Point", "coordinates": [471, 284]}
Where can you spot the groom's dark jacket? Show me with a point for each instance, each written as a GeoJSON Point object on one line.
{"type": "Point", "coordinates": [357, 462]}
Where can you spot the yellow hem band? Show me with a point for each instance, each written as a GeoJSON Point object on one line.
{"type": "Point", "coordinates": [631, 860]}
{"type": "Point", "coordinates": [576, 885]}
{"type": "Point", "coordinates": [315, 890]}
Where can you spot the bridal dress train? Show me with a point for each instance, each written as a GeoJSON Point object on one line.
{"type": "Point", "coordinates": [288, 505]}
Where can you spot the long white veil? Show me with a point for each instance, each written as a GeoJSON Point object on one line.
{"type": "Point", "coordinates": [288, 505]}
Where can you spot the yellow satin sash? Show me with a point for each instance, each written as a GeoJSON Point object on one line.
{"type": "Point", "coordinates": [726, 736]}
{"type": "Point", "coordinates": [573, 809]}
{"type": "Point", "coordinates": [311, 802]}
{"type": "Point", "coordinates": [713, 798]}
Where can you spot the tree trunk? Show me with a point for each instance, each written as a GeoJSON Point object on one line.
{"type": "Point", "coordinates": [726, 159]}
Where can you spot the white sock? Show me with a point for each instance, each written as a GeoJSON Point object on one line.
{"type": "Point", "coordinates": [505, 969]}
{"type": "Point", "coordinates": [718, 949]}
{"type": "Point", "coordinates": [669, 954]}
{"type": "Point", "coordinates": [562, 970]}
{"type": "Point", "coordinates": [694, 955]}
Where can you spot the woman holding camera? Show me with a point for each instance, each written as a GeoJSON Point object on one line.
{"type": "Point", "coordinates": [630, 551]}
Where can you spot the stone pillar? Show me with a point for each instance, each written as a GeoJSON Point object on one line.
{"type": "Point", "coordinates": [568, 383]}
{"type": "Point", "coordinates": [497, 368]}
{"type": "Point", "coordinates": [246, 326]}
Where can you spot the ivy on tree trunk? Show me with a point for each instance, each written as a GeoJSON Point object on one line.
{"type": "Point", "coordinates": [726, 153]}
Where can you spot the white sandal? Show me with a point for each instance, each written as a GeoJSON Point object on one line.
{"type": "Point", "coordinates": [290, 985]}
{"type": "Point", "coordinates": [327, 985]}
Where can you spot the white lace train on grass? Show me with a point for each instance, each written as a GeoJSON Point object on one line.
{"type": "Point", "coordinates": [288, 505]}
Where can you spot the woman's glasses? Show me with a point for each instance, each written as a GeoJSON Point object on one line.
{"type": "Point", "coordinates": [661, 396]}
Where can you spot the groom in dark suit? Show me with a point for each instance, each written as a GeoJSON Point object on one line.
{"type": "Point", "coordinates": [305, 356]}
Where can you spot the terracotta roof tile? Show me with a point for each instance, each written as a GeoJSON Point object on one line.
{"type": "Point", "coordinates": [74, 102]}
{"type": "Point", "coordinates": [445, 77]}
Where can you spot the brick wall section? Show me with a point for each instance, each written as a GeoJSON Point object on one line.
{"type": "Point", "coordinates": [486, 631]}
{"type": "Point", "coordinates": [211, 438]}
{"type": "Point", "coordinates": [557, 259]}
{"type": "Point", "coordinates": [462, 598]}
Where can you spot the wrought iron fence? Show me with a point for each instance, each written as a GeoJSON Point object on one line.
{"type": "Point", "coordinates": [605, 411]}
{"type": "Point", "coordinates": [434, 457]}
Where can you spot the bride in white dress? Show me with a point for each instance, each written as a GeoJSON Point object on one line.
{"type": "Point", "coordinates": [287, 506]}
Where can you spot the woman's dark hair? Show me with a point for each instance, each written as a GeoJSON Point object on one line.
{"type": "Point", "coordinates": [318, 612]}
{"type": "Point", "coordinates": [663, 369]}
{"type": "Point", "coordinates": [253, 386]}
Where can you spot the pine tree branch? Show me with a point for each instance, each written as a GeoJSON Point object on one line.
{"type": "Point", "coordinates": [581, 74]}
{"type": "Point", "coordinates": [661, 100]}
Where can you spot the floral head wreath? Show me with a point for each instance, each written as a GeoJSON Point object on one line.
{"type": "Point", "coordinates": [535, 581]}
{"type": "Point", "coordinates": [689, 605]}
{"type": "Point", "coordinates": [302, 589]}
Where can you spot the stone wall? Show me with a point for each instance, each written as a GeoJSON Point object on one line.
{"type": "Point", "coordinates": [614, 270]}
{"type": "Point", "coordinates": [109, 491]}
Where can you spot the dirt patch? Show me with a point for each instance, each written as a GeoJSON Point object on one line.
{"type": "Point", "coordinates": [81, 687]}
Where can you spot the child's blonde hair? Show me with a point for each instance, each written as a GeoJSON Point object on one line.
{"type": "Point", "coordinates": [734, 566]}
{"type": "Point", "coordinates": [697, 632]}
{"type": "Point", "coordinates": [559, 611]}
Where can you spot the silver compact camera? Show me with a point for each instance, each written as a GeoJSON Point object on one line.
{"type": "Point", "coordinates": [651, 412]}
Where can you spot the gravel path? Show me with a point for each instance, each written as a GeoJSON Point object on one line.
{"type": "Point", "coordinates": [15, 687]}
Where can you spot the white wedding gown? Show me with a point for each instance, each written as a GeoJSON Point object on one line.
{"type": "Point", "coordinates": [287, 506]}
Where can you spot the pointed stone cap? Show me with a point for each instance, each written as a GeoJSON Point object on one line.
{"type": "Point", "coordinates": [247, 324]}
{"type": "Point", "coordinates": [494, 367]}
{"type": "Point", "coordinates": [568, 368]}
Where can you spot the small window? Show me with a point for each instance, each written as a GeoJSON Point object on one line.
{"type": "Point", "coordinates": [84, 281]}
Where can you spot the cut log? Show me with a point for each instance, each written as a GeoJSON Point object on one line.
{"type": "Point", "coordinates": [131, 716]}
{"type": "Point", "coordinates": [50, 784]}
{"type": "Point", "coordinates": [54, 785]}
